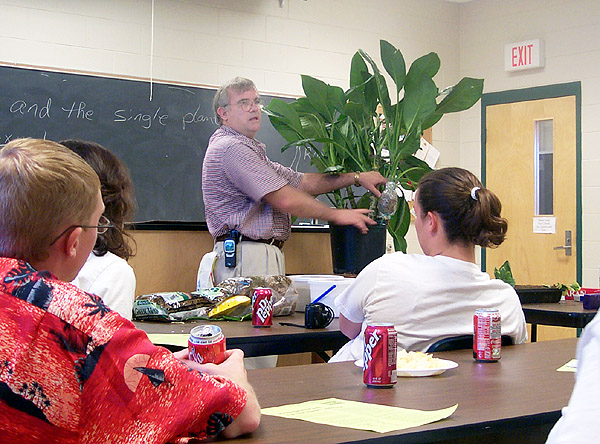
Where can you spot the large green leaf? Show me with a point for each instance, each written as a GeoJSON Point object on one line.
{"type": "Point", "coordinates": [358, 114]}
{"type": "Point", "coordinates": [364, 201]}
{"type": "Point", "coordinates": [283, 110]}
{"type": "Point", "coordinates": [426, 66]}
{"type": "Point", "coordinates": [431, 120]}
{"type": "Point", "coordinates": [313, 125]}
{"type": "Point", "coordinates": [348, 144]}
{"type": "Point", "coordinates": [394, 64]}
{"type": "Point", "coordinates": [399, 224]}
{"type": "Point", "coordinates": [309, 142]}
{"type": "Point", "coordinates": [371, 94]}
{"type": "Point", "coordinates": [282, 126]}
{"type": "Point", "coordinates": [420, 91]}
{"type": "Point", "coordinates": [411, 173]}
{"type": "Point", "coordinates": [323, 97]}
{"type": "Point", "coordinates": [365, 95]}
{"type": "Point", "coordinates": [358, 68]}
{"type": "Point", "coordinates": [284, 119]}
{"type": "Point", "coordinates": [419, 101]}
{"type": "Point", "coordinates": [303, 106]}
{"type": "Point", "coordinates": [463, 96]}
{"type": "Point", "coordinates": [382, 89]}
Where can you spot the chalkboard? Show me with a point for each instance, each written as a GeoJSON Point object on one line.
{"type": "Point", "coordinates": [162, 140]}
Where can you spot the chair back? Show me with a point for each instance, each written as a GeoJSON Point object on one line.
{"type": "Point", "coordinates": [461, 342]}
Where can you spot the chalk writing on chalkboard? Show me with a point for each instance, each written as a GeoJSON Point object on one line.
{"type": "Point", "coordinates": [162, 140]}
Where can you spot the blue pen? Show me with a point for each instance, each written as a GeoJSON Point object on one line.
{"type": "Point", "coordinates": [325, 293]}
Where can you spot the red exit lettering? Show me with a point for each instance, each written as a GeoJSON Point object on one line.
{"type": "Point", "coordinates": [521, 55]}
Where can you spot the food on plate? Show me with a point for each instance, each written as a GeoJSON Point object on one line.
{"type": "Point", "coordinates": [418, 360]}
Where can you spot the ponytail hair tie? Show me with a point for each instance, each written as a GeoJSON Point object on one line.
{"type": "Point", "coordinates": [474, 192]}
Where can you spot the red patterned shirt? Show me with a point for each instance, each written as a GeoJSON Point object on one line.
{"type": "Point", "coordinates": [236, 175]}
{"type": "Point", "coordinates": [73, 371]}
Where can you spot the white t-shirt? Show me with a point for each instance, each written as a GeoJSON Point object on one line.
{"type": "Point", "coordinates": [111, 278]}
{"type": "Point", "coordinates": [577, 424]}
{"type": "Point", "coordinates": [427, 299]}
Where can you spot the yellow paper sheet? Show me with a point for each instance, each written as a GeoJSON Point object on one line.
{"type": "Point", "coordinates": [177, 339]}
{"type": "Point", "coordinates": [358, 415]}
{"type": "Point", "coordinates": [570, 366]}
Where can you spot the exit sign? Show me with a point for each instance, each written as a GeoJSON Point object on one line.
{"type": "Point", "coordinates": [524, 55]}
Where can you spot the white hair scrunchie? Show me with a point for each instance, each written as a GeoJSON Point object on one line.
{"type": "Point", "coordinates": [474, 192]}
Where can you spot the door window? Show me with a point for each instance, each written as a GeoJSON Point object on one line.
{"type": "Point", "coordinates": [544, 166]}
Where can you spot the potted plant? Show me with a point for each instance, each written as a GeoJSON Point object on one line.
{"type": "Point", "coordinates": [363, 129]}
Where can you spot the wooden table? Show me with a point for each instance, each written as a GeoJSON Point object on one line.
{"type": "Point", "coordinates": [515, 400]}
{"type": "Point", "coordinates": [559, 314]}
{"type": "Point", "coordinates": [276, 340]}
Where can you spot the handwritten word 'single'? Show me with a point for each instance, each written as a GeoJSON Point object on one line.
{"type": "Point", "coordinates": [123, 115]}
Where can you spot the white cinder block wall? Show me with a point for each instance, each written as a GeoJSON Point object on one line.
{"type": "Point", "coordinates": [210, 41]}
{"type": "Point", "coordinates": [571, 32]}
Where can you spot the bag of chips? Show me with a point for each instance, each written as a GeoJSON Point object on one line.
{"type": "Point", "coordinates": [176, 305]}
{"type": "Point", "coordinates": [284, 295]}
{"type": "Point", "coordinates": [230, 300]}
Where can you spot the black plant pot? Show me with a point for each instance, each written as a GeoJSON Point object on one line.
{"type": "Point", "coordinates": [352, 251]}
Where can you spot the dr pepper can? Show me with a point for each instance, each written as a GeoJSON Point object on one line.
{"type": "Point", "coordinates": [262, 308]}
{"type": "Point", "coordinates": [207, 344]}
{"type": "Point", "coordinates": [379, 359]}
{"type": "Point", "coordinates": [487, 337]}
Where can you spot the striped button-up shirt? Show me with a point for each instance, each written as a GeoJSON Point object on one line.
{"type": "Point", "coordinates": [236, 175]}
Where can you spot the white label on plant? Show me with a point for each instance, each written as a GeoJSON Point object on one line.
{"type": "Point", "coordinates": [427, 153]}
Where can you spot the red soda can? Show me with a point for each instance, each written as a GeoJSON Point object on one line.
{"type": "Point", "coordinates": [262, 308]}
{"type": "Point", "coordinates": [487, 335]}
{"type": "Point", "coordinates": [379, 359]}
{"type": "Point", "coordinates": [207, 344]}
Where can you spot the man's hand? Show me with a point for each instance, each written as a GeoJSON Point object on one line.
{"type": "Point", "coordinates": [370, 180]}
{"type": "Point", "coordinates": [297, 203]}
{"type": "Point", "coordinates": [357, 218]}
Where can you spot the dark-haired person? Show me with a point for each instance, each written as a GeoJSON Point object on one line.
{"type": "Point", "coordinates": [106, 272]}
{"type": "Point", "coordinates": [432, 296]}
{"type": "Point", "coordinates": [71, 369]}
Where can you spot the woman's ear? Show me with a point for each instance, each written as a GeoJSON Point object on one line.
{"type": "Point", "coordinates": [433, 221]}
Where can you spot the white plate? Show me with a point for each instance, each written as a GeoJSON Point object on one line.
{"type": "Point", "coordinates": [445, 364]}
{"type": "Point", "coordinates": [414, 372]}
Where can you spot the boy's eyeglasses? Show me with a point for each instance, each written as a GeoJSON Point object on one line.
{"type": "Point", "coordinates": [103, 225]}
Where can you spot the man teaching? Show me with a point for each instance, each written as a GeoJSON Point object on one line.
{"type": "Point", "coordinates": [245, 191]}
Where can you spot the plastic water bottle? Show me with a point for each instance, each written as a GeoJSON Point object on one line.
{"type": "Point", "coordinates": [388, 202]}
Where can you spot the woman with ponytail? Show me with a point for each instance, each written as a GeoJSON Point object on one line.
{"type": "Point", "coordinates": [434, 296]}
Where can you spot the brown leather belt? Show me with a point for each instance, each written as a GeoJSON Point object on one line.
{"type": "Point", "coordinates": [275, 242]}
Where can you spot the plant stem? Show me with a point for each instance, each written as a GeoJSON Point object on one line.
{"type": "Point", "coordinates": [372, 207]}
{"type": "Point", "coordinates": [351, 197]}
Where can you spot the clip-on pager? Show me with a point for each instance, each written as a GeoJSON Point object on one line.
{"type": "Point", "coordinates": [229, 248]}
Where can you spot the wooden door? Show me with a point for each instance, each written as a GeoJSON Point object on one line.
{"type": "Point", "coordinates": [511, 165]}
